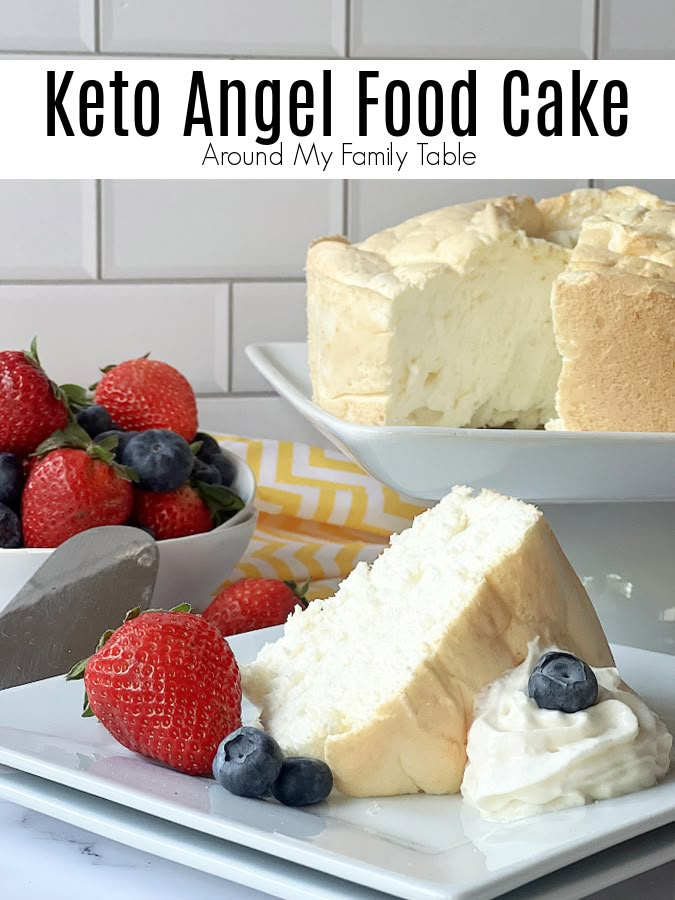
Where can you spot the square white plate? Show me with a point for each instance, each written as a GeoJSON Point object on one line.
{"type": "Point", "coordinates": [423, 462]}
{"type": "Point", "coordinates": [288, 881]}
{"type": "Point", "coordinates": [412, 847]}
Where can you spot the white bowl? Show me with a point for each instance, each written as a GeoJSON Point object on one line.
{"type": "Point", "coordinates": [190, 568]}
{"type": "Point", "coordinates": [424, 462]}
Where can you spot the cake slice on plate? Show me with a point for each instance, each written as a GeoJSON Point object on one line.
{"type": "Point", "coordinates": [380, 679]}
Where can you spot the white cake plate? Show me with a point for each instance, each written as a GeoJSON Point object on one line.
{"type": "Point", "coordinates": [424, 462]}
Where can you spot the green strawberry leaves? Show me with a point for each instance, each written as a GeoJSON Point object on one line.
{"type": "Point", "coordinates": [299, 590]}
{"type": "Point", "coordinates": [221, 501]}
{"type": "Point", "coordinates": [73, 436]}
{"type": "Point", "coordinates": [59, 391]}
{"type": "Point", "coordinates": [76, 397]}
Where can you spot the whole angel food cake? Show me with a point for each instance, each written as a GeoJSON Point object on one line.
{"type": "Point", "coordinates": [447, 318]}
{"type": "Point", "coordinates": [379, 681]}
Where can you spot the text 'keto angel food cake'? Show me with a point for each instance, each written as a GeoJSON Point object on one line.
{"type": "Point", "coordinates": [381, 680]}
{"type": "Point", "coordinates": [466, 316]}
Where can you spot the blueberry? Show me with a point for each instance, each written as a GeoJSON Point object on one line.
{"type": "Point", "coordinates": [302, 781]}
{"type": "Point", "coordinates": [10, 529]}
{"type": "Point", "coordinates": [161, 458]}
{"type": "Point", "coordinates": [247, 762]}
{"type": "Point", "coordinates": [11, 480]}
{"type": "Point", "coordinates": [203, 471]}
{"type": "Point", "coordinates": [210, 447]}
{"type": "Point", "coordinates": [94, 419]}
{"type": "Point", "coordinates": [226, 468]}
{"type": "Point", "coordinates": [562, 681]}
{"type": "Point", "coordinates": [123, 438]}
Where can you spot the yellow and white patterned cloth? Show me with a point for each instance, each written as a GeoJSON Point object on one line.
{"type": "Point", "coordinates": [319, 514]}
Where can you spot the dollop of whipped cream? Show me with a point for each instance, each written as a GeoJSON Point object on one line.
{"type": "Point", "coordinates": [524, 760]}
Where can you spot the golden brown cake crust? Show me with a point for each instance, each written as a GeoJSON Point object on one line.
{"type": "Point", "coordinates": [418, 741]}
{"type": "Point", "coordinates": [616, 334]}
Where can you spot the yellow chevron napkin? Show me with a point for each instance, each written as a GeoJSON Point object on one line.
{"type": "Point", "coordinates": [319, 514]}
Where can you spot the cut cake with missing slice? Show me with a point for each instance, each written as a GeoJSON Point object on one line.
{"type": "Point", "coordinates": [445, 319]}
{"type": "Point", "coordinates": [614, 316]}
{"type": "Point", "coordinates": [380, 679]}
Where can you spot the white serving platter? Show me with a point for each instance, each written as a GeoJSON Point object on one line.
{"type": "Point", "coordinates": [418, 847]}
{"type": "Point", "coordinates": [425, 462]}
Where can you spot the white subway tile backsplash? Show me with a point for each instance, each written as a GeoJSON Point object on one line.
{"type": "Point", "coordinates": [229, 27]}
{"type": "Point", "coordinates": [49, 25]}
{"type": "Point", "coordinates": [48, 229]}
{"type": "Point", "coordinates": [263, 312]}
{"type": "Point", "coordinates": [630, 30]}
{"type": "Point", "coordinates": [261, 417]}
{"type": "Point", "coordinates": [482, 29]}
{"type": "Point", "coordinates": [82, 327]}
{"type": "Point", "coordinates": [376, 204]}
{"type": "Point", "coordinates": [197, 229]}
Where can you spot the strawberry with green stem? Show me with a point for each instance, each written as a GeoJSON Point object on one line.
{"type": "Point", "coordinates": [31, 406]}
{"type": "Point", "coordinates": [165, 685]}
{"type": "Point", "coordinates": [253, 603]}
{"type": "Point", "coordinates": [73, 485]}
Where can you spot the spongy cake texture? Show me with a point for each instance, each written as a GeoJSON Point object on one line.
{"type": "Point", "coordinates": [446, 318]}
{"type": "Point", "coordinates": [380, 679]}
{"type": "Point", "coordinates": [614, 317]}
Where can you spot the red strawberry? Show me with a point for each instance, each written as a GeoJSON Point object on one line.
{"type": "Point", "coordinates": [254, 603]}
{"type": "Point", "coordinates": [172, 514]}
{"type": "Point", "coordinates": [165, 685]}
{"type": "Point", "coordinates": [70, 490]}
{"type": "Point", "coordinates": [145, 393]}
{"type": "Point", "coordinates": [31, 406]}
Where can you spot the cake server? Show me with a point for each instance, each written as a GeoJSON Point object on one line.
{"type": "Point", "coordinates": [84, 587]}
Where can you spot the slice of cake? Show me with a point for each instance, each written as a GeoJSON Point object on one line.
{"type": "Point", "coordinates": [446, 319]}
{"type": "Point", "coordinates": [380, 680]}
{"type": "Point", "coordinates": [614, 316]}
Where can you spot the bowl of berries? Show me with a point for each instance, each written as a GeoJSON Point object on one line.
{"type": "Point", "coordinates": [127, 451]}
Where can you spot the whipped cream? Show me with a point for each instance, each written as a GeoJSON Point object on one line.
{"type": "Point", "coordinates": [524, 760]}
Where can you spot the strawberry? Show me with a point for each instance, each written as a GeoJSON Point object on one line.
{"type": "Point", "coordinates": [73, 486]}
{"type": "Point", "coordinates": [145, 393]}
{"type": "Point", "coordinates": [191, 509]}
{"type": "Point", "coordinates": [253, 603]}
{"type": "Point", "coordinates": [165, 685]}
{"type": "Point", "coordinates": [31, 406]}
{"type": "Point", "coordinates": [172, 514]}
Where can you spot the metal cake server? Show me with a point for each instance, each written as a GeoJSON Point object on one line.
{"type": "Point", "coordinates": [85, 586]}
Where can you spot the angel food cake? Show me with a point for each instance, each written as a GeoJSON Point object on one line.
{"type": "Point", "coordinates": [379, 680]}
{"type": "Point", "coordinates": [447, 318]}
{"type": "Point", "coordinates": [435, 644]}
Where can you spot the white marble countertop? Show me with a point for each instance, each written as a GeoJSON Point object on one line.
{"type": "Point", "coordinates": [44, 859]}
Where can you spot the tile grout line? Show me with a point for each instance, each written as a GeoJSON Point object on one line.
{"type": "Point", "coordinates": [237, 395]}
{"type": "Point", "coordinates": [97, 26]}
{"type": "Point", "coordinates": [99, 230]}
{"type": "Point", "coordinates": [143, 282]}
{"type": "Point", "coordinates": [596, 44]}
{"type": "Point", "coordinates": [166, 54]}
{"type": "Point", "coordinates": [230, 340]}
{"type": "Point", "coordinates": [348, 25]}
